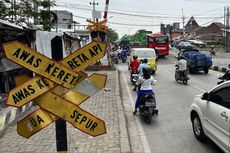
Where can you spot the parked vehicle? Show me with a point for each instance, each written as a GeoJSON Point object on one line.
{"type": "Point", "coordinates": [159, 42]}
{"type": "Point", "coordinates": [181, 76]}
{"type": "Point", "coordinates": [210, 116]}
{"type": "Point", "coordinates": [185, 45]}
{"type": "Point", "coordinates": [197, 43]}
{"type": "Point", "coordinates": [196, 60]}
{"type": "Point", "coordinates": [148, 107]}
{"type": "Point", "coordinates": [142, 53]}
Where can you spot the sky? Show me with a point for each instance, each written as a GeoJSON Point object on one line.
{"type": "Point", "coordinates": [128, 16]}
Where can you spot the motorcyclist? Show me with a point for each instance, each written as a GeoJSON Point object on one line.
{"type": "Point", "coordinates": [213, 50]}
{"type": "Point", "coordinates": [124, 55]}
{"type": "Point", "coordinates": [140, 69]}
{"type": "Point", "coordinates": [182, 65]}
{"type": "Point", "coordinates": [226, 75]}
{"type": "Point", "coordinates": [134, 64]}
{"type": "Point", "coordinates": [144, 64]}
{"type": "Point", "coordinates": [146, 81]}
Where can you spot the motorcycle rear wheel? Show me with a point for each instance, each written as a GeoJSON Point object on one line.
{"type": "Point", "coordinates": [148, 118]}
{"type": "Point", "coordinates": [185, 81]}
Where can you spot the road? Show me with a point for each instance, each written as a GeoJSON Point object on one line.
{"type": "Point", "coordinates": [171, 131]}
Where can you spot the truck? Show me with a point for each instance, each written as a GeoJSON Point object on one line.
{"type": "Point", "coordinates": [197, 60]}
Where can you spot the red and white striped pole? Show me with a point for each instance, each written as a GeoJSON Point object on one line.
{"type": "Point", "coordinates": [106, 9]}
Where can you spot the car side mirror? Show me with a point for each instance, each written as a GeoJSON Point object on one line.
{"type": "Point", "coordinates": [205, 96]}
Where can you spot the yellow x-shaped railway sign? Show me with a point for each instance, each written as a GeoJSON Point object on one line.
{"type": "Point", "coordinates": [58, 72]}
{"type": "Point", "coordinates": [97, 26]}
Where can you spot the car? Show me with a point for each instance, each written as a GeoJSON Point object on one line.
{"type": "Point", "coordinates": [197, 43]}
{"type": "Point", "coordinates": [185, 45]}
{"type": "Point", "coordinates": [210, 116]}
{"type": "Point", "coordinates": [142, 53]}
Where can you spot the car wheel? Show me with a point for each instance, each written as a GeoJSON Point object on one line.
{"type": "Point", "coordinates": [206, 70]}
{"type": "Point", "coordinates": [197, 128]}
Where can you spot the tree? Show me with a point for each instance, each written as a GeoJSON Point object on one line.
{"type": "Point", "coordinates": [112, 35]}
{"type": "Point", "coordinates": [24, 11]}
{"type": "Point", "coordinates": [3, 10]}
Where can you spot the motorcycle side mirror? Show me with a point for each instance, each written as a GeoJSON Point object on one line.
{"type": "Point", "coordinates": [205, 96]}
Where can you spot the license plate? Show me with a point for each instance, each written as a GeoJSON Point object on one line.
{"type": "Point", "coordinates": [149, 104]}
{"type": "Point", "coordinates": [134, 75]}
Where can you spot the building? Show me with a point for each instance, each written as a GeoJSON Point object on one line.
{"type": "Point", "coordinates": [212, 32]}
{"type": "Point", "coordinates": [191, 27]}
{"type": "Point", "coordinates": [64, 19]}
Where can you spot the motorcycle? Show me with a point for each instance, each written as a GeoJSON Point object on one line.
{"type": "Point", "coordinates": [134, 77]}
{"type": "Point", "coordinates": [181, 76]}
{"type": "Point", "coordinates": [225, 77]}
{"type": "Point", "coordinates": [222, 80]}
{"type": "Point", "coordinates": [147, 108]}
{"type": "Point", "coordinates": [115, 59]}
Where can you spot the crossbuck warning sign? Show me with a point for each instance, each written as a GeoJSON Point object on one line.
{"type": "Point", "coordinates": [47, 88]}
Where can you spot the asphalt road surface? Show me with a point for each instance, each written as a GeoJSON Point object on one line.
{"type": "Point", "coordinates": [170, 131]}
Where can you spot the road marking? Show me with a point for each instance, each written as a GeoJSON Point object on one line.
{"type": "Point", "coordinates": [139, 126]}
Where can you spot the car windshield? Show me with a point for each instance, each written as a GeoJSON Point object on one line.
{"type": "Point", "coordinates": [145, 53]}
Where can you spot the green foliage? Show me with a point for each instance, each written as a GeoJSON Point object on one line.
{"type": "Point", "coordinates": [112, 35]}
{"type": "Point", "coordinates": [138, 37]}
{"type": "Point", "coordinates": [3, 10]}
{"type": "Point", "coordinates": [23, 11]}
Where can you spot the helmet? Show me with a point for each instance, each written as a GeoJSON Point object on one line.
{"type": "Point", "coordinates": [135, 57]}
{"type": "Point", "coordinates": [146, 70]}
{"type": "Point", "coordinates": [145, 60]}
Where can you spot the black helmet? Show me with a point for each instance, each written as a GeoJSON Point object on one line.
{"type": "Point", "coordinates": [146, 70]}
{"type": "Point", "coordinates": [135, 57]}
{"type": "Point", "coordinates": [145, 60]}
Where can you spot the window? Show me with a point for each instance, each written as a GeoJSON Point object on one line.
{"type": "Point", "coordinates": [161, 39]}
{"type": "Point", "coordinates": [221, 97]}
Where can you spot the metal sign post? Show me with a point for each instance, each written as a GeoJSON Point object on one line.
{"type": "Point", "coordinates": [60, 124]}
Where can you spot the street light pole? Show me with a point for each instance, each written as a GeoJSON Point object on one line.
{"type": "Point", "coordinates": [93, 3]}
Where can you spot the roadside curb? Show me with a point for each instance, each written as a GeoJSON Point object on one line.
{"type": "Point", "coordinates": [124, 138]}
{"type": "Point", "coordinates": [217, 68]}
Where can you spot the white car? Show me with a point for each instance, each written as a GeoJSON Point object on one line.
{"type": "Point", "coordinates": [210, 116]}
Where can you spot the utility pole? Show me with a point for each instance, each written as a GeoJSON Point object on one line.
{"type": "Point", "coordinates": [183, 18]}
{"type": "Point", "coordinates": [94, 4]}
{"type": "Point", "coordinates": [36, 12]}
{"type": "Point", "coordinates": [227, 30]}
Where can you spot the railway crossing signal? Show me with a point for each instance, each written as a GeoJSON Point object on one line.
{"type": "Point", "coordinates": [54, 76]}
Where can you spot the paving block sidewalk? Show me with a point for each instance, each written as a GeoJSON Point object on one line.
{"type": "Point", "coordinates": [106, 105]}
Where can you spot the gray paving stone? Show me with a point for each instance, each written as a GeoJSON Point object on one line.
{"type": "Point", "coordinates": [106, 105]}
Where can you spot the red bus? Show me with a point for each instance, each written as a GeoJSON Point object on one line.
{"type": "Point", "coordinates": [159, 42]}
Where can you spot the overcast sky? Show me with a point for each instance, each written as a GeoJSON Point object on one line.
{"type": "Point", "coordinates": [127, 16]}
